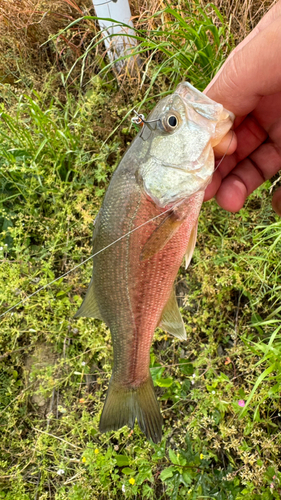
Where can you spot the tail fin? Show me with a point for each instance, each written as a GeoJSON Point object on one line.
{"type": "Point", "coordinates": [123, 405]}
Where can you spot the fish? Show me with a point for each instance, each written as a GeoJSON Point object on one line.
{"type": "Point", "coordinates": [150, 210]}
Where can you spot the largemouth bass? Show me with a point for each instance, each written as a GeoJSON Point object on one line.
{"type": "Point", "coordinates": [158, 187]}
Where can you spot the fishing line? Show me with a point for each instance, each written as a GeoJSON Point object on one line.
{"type": "Point", "coordinates": [221, 160]}
{"type": "Point", "coordinates": [89, 258]}
{"type": "Point", "coordinates": [105, 248]}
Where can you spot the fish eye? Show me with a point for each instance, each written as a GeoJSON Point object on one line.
{"type": "Point", "coordinates": [171, 121]}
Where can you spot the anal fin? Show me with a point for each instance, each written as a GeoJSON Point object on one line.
{"type": "Point", "coordinates": [171, 319]}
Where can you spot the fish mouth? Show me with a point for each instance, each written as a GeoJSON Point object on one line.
{"type": "Point", "coordinates": [189, 93]}
{"type": "Point", "coordinates": [198, 100]}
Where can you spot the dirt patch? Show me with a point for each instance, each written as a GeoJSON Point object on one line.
{"type": "Point", "coordinates": [35, 367]}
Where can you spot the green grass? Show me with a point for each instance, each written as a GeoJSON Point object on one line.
{"type": "Point", "coordinates": [57, 154]}
{"type": "Point", "coordinates": [188, 42]}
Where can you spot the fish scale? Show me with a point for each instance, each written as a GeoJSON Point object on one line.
{"type": "Point", "coordinates": [132, 286]}
{"type": "Point", "coordinates": [151, 282]}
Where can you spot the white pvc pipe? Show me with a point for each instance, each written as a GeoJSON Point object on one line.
{"type": "Point", "coordinates": [117, 46]}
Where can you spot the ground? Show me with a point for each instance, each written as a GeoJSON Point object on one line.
{"type": "Point", "coordinates": [64, 126]}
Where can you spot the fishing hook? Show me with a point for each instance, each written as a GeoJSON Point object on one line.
{"type": "Point", "coordinates": [139, 119]}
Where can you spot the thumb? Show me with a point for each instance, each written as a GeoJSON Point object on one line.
{"type": "Point", "coordinates": [250, 73]}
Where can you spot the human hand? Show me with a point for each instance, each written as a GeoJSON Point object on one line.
{"type": "Point", "coordinates": [249, 85]}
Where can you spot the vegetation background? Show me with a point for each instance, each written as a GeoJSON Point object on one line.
{"type": "Point", "coordinates": [64, 125]}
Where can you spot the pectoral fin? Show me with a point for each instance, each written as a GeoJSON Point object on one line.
{"type": "Point", "coordinates": [171, 319]}
{"type": "Point", "coordinates": [89, 307]}
{"type": "Point", "coordinates": [162, 234]}
{"type": "Point", "coordinates": [191, 245]}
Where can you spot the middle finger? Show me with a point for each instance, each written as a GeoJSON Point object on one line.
{"type": "Point", "coordinates": [250, 135]}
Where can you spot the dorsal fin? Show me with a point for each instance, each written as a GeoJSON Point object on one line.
{"type": "Point", "coordinates": [89, 307]}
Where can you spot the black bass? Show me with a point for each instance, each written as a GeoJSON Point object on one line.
{"type": "Point", "coordinates": [161, 179]}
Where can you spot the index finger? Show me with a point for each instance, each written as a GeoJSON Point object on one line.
{"type": "Point", "coordinates": [227, 145]}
